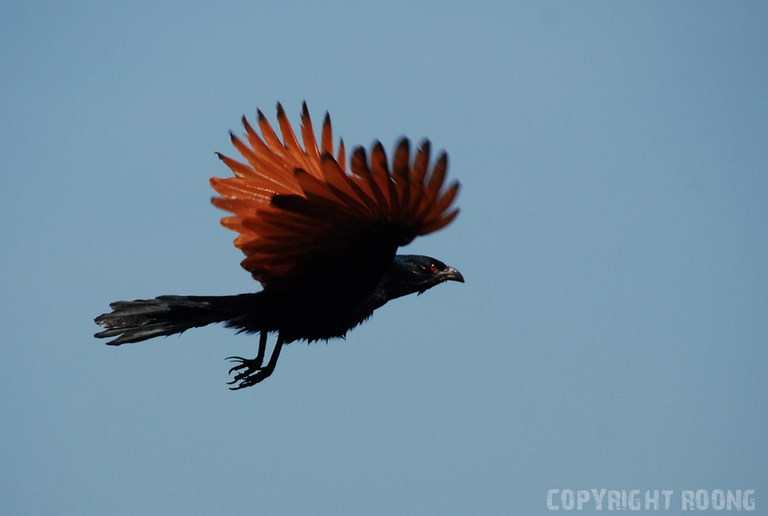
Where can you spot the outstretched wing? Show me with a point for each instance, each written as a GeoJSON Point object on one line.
{"type": "Point", "coordinates": [295, 204]}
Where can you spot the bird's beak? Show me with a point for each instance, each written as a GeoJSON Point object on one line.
{"type": "Point", "coordinates": [451, 274]}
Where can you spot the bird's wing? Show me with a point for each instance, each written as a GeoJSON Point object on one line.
{"type": "Point", "coordinates": [293, 204]}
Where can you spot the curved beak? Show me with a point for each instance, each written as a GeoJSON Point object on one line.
{"type": "Point", "coordinates": [451, 274]}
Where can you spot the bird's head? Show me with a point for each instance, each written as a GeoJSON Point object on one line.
{"type": "Point", "coordinates": [414, 273]}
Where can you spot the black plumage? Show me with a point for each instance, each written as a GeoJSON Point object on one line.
{"type": "Point", "coordinates": [322, 240]}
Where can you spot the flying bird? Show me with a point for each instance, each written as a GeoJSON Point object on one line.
{"type": "Point", "coordinates": [319, 230]}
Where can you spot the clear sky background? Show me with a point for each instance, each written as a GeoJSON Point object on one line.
{"type": "Point", "coordinates": [612, 331]}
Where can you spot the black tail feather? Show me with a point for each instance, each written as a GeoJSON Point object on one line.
{"type": "Point", "coordinates": [142, 319]}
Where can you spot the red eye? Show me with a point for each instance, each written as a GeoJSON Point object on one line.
{"type": "Point", "coordinates": [433, 268]}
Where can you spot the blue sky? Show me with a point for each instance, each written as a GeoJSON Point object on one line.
{"type": "Point", "coordinates": [612, 329]}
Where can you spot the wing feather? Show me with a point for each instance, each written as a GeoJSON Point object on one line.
{"type": "Point", "coordinates": [342, 185]}
{"type": "Point", "coordinates": [264, 153]}
{"type": "Point", "coordinates": [294, 204]}
{"type": "Point", "coordinates": [359, 167]}
{"type": "Point", "coordinates": [444, 202]}
{"type": "Point", "coordinates": [274, 143]}
{"type": "Point", "coordinates": [436, 179]}
{"type": "Point", "coordinates": [327, 136]}
{"type": "Point", "coordinates": [378, 167]}
{"type": "Point", "coordinates": [402, 172]}
{"type": "Point", "coordinates": [341, 156]}
{"type": "Point", "coordinates": [308, 135]}
{"type": "Point", "coordinates": [420, 164]}
{"type": "Point", "coordinates": [440, 223]}
{"type": "Point", "coordinates": [291, 144]}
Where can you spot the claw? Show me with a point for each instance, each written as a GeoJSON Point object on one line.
{"type": "Point", "coordinates": [247, 372]}
{"type": "Point", "coordinates": [236, 368]}
{"type": "Point", "coordinates": [248, 381]}
{"type": "Point", "coordinates": [238, 384]}
{"type": "Point", "coordinates": [241, 385]}
{"type": "Point", "coordinates": [238, 377]}
{"type": "Point", "coordinates": [240, 363]}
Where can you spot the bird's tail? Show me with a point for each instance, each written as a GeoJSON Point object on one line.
{"type": "Point", "coordinates": [142, 319]}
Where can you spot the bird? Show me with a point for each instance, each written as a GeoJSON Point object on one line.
{"type": "Point", "coordinates": [320, 231]}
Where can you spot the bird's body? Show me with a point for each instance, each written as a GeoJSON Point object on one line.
{"type": "Point", "coordinates": [322, 242]}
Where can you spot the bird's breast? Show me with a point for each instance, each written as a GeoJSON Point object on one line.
{"type": "Point", "coordinates": [322, 317]}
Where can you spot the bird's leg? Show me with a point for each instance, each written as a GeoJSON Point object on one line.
{"type": "Point", "coordinates": [253, 372]}
{"type": "Point", "coordinates": [262, 348]}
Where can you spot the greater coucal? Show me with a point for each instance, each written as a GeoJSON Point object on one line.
{"type": "Point", "coordinates": [318, 234]}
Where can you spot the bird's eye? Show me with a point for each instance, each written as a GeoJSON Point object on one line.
{"type": "Point", "coordinates": [433, 268]}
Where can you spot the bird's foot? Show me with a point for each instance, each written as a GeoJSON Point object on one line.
{"type": "Point", "coordinates": [251, 372]}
